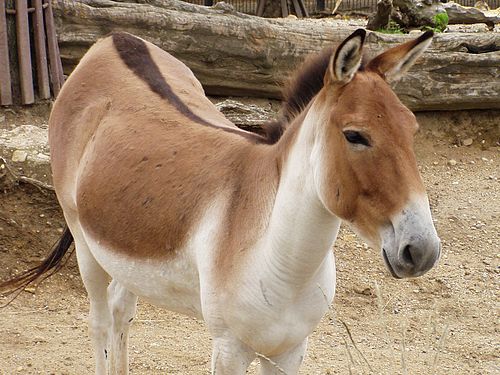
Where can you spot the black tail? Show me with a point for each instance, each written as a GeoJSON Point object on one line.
{"type": "Point", "coordinates": [53, 263]}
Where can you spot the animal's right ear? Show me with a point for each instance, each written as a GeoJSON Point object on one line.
{"type": "Point", "coordinates": [346, 60]}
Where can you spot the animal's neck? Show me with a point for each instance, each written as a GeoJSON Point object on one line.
{"type": "Point", "coordinates": [301, 230]}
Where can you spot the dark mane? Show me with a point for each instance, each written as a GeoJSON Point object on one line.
{"type": "Point", "coordinates": [298, 92]}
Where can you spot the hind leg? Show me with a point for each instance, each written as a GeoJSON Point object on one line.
{"type": "Point", "coordinates": [122, 305]}
{"type": "Point", "coordinates": [230, 356]}
{"type": "Point", "coordinates": [96, 281]}
{"type": "Point", "coordinates": [287, 363]}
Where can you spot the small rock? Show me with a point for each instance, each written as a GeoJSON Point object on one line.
{"type": "Point", "coordinates": [467, 141]}
{"type": "Point", "coordinates": [435, 162]}
{"type": "Point", "coordinates": [43, 157]}
{"type": "Point", "coordinates": [484, 159]}
{"type": "Point", "coordinates": [2, 119]}
{"type": "Point", "coordinates": [19, 156]}
{"type": "Point", "coordinates": [452, 162]}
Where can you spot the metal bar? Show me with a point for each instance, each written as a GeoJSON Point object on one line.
{"type": "Point", "coordinates": [30, 10]}
{"type": "Point", "coordinates": [284, 8]}
{"type": "Point", "coordinates": [303, 8]}
{"type": "Point", "coordinates": [59, 65]}
{"type": "Point", "coordinates": [298, 10]}
{"type": "Point", "coordinates": [260, 7]}
{"type": "Point", "coordinates": [24, 52]}
{"type": "Point", "coordinates": [42, 71]}
{"type": "Point", "coordinates": [5, 82]}
{"type": "Point", "coordinates": [53, 55]}
{"type": "Point", "coordinates": [59, 62]}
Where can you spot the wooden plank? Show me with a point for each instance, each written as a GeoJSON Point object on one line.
{"type": "Point", "coordinates": [42, 70]}
{"type": "Point", "coordinates": [53, 55]}
{"type": "Point", "coordinates": [298, 10]}
{"type": "Point", "coordinates": [59, 65]}
{"type": "Point", "coordinates": [303, 8]}
{"type": "Point", "coordinates": [5, 82]}
{"type": "Point", "coordinates": [24, 52]}
{"type": "Point", "coordinates": [59, 62]}
{"type": "Point", "coordinates": [260, 8]}
{"type": "Point", "coordinates": [284, 8]}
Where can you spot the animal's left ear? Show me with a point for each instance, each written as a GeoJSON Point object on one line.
{"type": "Point", "coordinates": [395, 62]}
{"type": "Point", "coordinates": [345, 62]}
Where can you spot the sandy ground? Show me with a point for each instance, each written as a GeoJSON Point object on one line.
{"type": "Point", "coordinates": [443, 323]}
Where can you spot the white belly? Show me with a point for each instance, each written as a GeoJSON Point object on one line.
{"type": "Point", "coordinates": [172, 284]}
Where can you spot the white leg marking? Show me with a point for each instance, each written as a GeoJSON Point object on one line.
{"type": "Point", "coordinates": [122, 305]}
{"type": "Point", "coordinates": [230, 356]}
{"type": "Point", "coordinates": [96, 281]}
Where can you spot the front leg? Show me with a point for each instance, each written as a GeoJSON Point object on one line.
{"type": "Point", "coordinates": [230, 356]}
{"type": "Point", "coordinates": [287, 363]}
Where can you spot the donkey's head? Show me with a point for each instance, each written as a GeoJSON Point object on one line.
{"type": "Point", "coordinates": [369, 176]}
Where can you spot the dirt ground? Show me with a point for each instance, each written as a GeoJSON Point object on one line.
{"type": "Point", "coordinates": [443, 323]}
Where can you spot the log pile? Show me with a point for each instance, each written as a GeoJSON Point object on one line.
{"type": "Point", "coordinates": [464, 15]}
{"type": "Point", "coordinates": [236, 54]}
{"type": "Point", "coordinates": [410, 14]}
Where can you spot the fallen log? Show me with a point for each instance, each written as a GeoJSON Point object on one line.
{"type": "Point", "coordinates": [466, 15]}
{"type": "Point", "coordinates": [236, 54]}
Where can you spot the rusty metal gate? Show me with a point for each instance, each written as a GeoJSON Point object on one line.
{"type": "Point", "coordinates": [34, 23]}
{"type": "Point", "coordinates": [313, 6]}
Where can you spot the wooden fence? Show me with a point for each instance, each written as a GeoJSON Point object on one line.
{"type": "Point", "coordinates": [34, 22]}
{"type": "Point", "coordinates": [313, 6]}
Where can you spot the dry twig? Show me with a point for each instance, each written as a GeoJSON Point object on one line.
{"type": "Point", "coordinates": [440, 346]}
{"type": "Point", "coordinates": [27, 180]}
{"type": "Point", "coordinates": [272, 363]}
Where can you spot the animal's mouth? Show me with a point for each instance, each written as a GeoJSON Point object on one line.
{"type": "Point", "coordinates": [389, 266]}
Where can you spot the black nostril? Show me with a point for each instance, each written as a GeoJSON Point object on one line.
{"type": "Point", "coordinates": [407, 257]}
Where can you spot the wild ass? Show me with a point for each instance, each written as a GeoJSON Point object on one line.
{"type": "Point", "coordinates": [171, 202]}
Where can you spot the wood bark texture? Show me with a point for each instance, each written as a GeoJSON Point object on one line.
{"type": "Point", "coordinates": [458, 14]}
{"type": "Point", "coordinates": [417, 13]}
{"type": "Point", "coordinates": [236, 54]}
{"type": "Point", "coordinates": [380, 19]}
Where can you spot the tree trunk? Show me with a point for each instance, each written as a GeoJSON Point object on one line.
{"type": "Point", "coordinates": [418, 13]}
{"type": "Point", "coordinates": [458, 14]}
{"type": "Point", "coordinates": [272, 9]}
{"type": "Point", "coordinates": [236, 54]}
{"type": "Point", "coordinates": [380, 19]}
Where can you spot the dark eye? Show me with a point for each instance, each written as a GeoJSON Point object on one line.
{"type": "Point", "coordinates": [356, 138]}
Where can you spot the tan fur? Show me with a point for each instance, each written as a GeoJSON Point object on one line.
{"type": "Point", "coordinates": [149, 173]}
{"type": "Point", "coordinates": [368, 188]}
{"type": "Point", "coordinates": [144, 173]}
{"type": "Point", "coordinates": [177, 205]}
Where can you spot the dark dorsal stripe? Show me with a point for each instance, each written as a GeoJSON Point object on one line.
{"type": "Point", "coordinates": [135, 54]}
